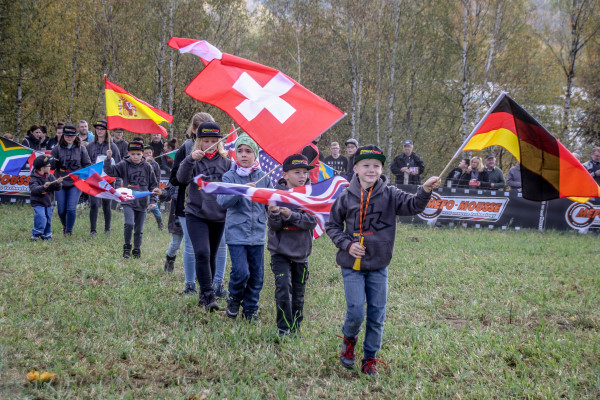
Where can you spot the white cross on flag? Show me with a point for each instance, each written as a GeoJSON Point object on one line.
{"type": "Point", "coordinates": [281, 115]}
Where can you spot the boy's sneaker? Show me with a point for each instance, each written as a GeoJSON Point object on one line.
{"type": "Point", "coordinates": [251, 317]}
{"type": "Point", "coordinates": [233, 308]}
{"type": "Point", "coordinates": [347, 353]}
{"type": "Point", "coordinates": [127, 251]}
{"type": "Point", "coordinates": [190, 288]}
{"type": "Point", "coordinates": [136, 253]}
{"type": "Point", "coordinates": [369, 365]}
{"type": "Point", "coordinates": [93, 234]}
{"type": "Point", "coordinates": [209, 300]}
{"type": "Point", "coordinates": [220, 290]}
{"type": "Point", "coordinates": [170, 263]}
{"type": "Point", "coordinates": [282, 333]}
{"type": "Point", "coordinates": [34, 238]}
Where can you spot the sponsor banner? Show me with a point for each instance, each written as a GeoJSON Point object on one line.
{"type": "Point", "coordinates": [504, 210]}
{"type": "Point", "coordinates": [15, 185]}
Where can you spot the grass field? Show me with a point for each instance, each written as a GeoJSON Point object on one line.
{"type": "Point", "coordinates": [471, 314]}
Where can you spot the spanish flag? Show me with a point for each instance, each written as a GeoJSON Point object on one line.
{"type": "Point", "coordinates": [126, 111]}
{"type": "Point", "coordinates": [548, 170]}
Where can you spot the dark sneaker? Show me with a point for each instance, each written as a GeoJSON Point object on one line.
{"type": "Point", "coordinates": [220, 290]}
{"type": "Point", "coordinates": [251, 317]}
{"type": "Point", "coordinates": [282, 333]}
{"type": "Point", "coordinates": [34, 238]}
{"type": "Point", "coordinates": [209, 300]}
{"type": "Point", "coordinates": [107, 231]}
{"type": "Point", "coordinates": [93, 234]}
{"type": "Point", "coordinates": [160, 224]}
{"type": "Point", "coordinates": [170, 263]}
{"type": "Point", "coordinates": [369, 365]}
{"type": "Point", "coordinates": [136, 253]}
{"type": "Point", "coordinates": [347, 353]}
{"type": "Point", "coordinates": [46, 237]}
{"type": "Point", "coordinates": [233, 308]}
{"type": "Point", "coordinates": [190, 288]}
{"type": "Point", "coordinates": [127, 251]}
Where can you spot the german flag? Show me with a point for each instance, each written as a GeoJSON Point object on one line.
{"type": "Point", "coordinates": [126, 111]}
{"type": "Point", "coordinates": [548, 170]}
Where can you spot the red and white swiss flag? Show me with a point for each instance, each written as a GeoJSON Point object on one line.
{"type": "Point", "coordinates": [281, 115]}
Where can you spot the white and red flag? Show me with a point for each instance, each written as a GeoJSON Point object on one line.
{"type": "Point", "coordinates": [230, 143]}
{"type": "Point", "coordinates": [281, 115]}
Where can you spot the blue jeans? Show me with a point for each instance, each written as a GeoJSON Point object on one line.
{"type": "Point", "coordinates": [371, 286]}
{"type": "Point", "coordinates": [174, 245]}
{"type": "Point", "coordinates": [247, 273]}
{"type": "Point", "coordinates": [66, 202]}
{"type": "Point", "coordinates": [189, 259]}
{"type": "Point", "coordinates": [42, 221]}
{"type": "Point", "coordinates": [156, 212]}
{"type": "Point", "coordinates": [221, 261]}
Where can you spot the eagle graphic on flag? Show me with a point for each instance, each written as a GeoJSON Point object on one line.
{"type": "Point", "coordinates": [268, 105]}
{"type": "Point", "coordinates": [315, 199]}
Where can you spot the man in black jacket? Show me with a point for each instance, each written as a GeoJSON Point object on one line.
{"type": "Point", "coordinates": [408, 166]}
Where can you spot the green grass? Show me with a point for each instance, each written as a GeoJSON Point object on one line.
{"type": "Point", "coordinates": [471, 314]}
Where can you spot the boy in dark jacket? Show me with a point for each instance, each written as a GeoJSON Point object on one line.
{"type": "Point", "coordinates": [137, 175]}
{"type": "Point", "coordinates": [290, 243]}
{"type": "Point", "coordinates": [368, 209]}
{"type": "Point", "coordinates": [42, 186]}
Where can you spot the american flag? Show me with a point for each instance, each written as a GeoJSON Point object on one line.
{"type": "Point", "coordinates": [315, 199]}
{"type": "Point", "coordinates": [267, 163]}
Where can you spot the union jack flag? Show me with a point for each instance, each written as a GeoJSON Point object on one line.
{"type": "Point", "coordinates": [315, 199]}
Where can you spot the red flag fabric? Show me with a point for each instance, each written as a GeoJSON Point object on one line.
{"type": "Point", "coordinates": [230, 143]}
{"type": "Point", "coordinates": [281, 115]}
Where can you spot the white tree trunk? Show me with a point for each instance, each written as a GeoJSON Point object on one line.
{"type": "Point", "coordinates": [390, 121]}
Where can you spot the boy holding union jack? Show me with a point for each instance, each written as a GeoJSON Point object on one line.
{"type": "Point", "coordinates": [137, 175]}
{"type": "Point", "coordinates": [290, 243]}
{"type": "Point", "coordinates": [366, 244]}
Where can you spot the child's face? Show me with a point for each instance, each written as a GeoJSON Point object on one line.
{"type": "Point", "coordinates": [44, 170]}
{"type": "Point", "coordinates": [135, 156]}
{"type": "Point", "coordinates": [351, 149]}
{"type": "Point", "coordinates": [148, 155]}
{"type": "Point", "coordinates": [295, 177]}
{"type": "Point", "coordinates": [368, 170]}
{"type": "Point", "coordinates": [245, 156]}
{"type": "Point", "coordinates": [69, 139]}
{"type": "Point", "coordinates": [207, 142]}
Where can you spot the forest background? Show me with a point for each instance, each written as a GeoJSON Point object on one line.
{"type": "Point", "coordinates": [401, 69]}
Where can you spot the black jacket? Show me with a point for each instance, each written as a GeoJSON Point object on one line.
{"type": "Point", "coordinates": [199, 203]}
{"type": "Point", "coordinates": [96, 149]}
{"type": "Point", "coordinates": [184, 150]}
{"type": "Point", "coordinates": [411, 161]}
{"type": "Point", "coordinates": [379, 226]}
{"type": "Point", "coordinates": [138, 177]}
{"type": "Point", "coordinates": [122, 146]}
{"type": "Point", "coordinates": [41, 196]}
{"type": "Point", "coordinates": [170, 193]}
{"type": "Point", "coordinates": [458, 178]}
{"type": "Point", "coordinates": [69, 160]}
{"type": "Point", "coordinates": [291, 237]}
{"type": "Point", "coordinates": [31, 142]}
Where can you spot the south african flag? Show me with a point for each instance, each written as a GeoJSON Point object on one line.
{"type": "Point", "coordinates": [12, 156]}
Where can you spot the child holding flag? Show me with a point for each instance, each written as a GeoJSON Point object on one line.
{"type": "Point", "coordinates": [137, 175]}
{"type": "Point", "coordinates": [204, 218]}
{"type": "Point", "coordinates": [366, 244]}
{"type": "Point", "coordinates": [290, 244]}
{"type": "Point", "coordinates": [42, 186]}
{"type": "Point", "coordinates": [245, 231]}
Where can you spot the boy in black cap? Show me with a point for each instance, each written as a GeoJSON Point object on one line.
{"type": "Point", "coordinates": [137, 175]}
{"type": "Point", "coordinates": [362, 225]}
{"type": "Point", "coordinates": [290, 243]}
{"type": "Point", "coordinates": [42, 186]}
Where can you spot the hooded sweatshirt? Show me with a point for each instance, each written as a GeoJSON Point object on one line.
{"type": "Point", "coordinates": [138, 177]}
{"type": "Point", "coordinates": [68, 160]}
{"type": "Point", "coordinates": [379, 225]}
{"type": "Point", "coordinates": [41, 196]}
{"type": "Point", "coordinates": [199, 203]}
{"type": "Point", "coordinates": [291, 237]}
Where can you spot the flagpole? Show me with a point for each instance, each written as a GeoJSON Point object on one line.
{"type": "Point", "coordinates": [267, 174]}
{"type": "Point", "coordinates": [487, 114]}
{"type": "Point", "coordinates": [222, 139]}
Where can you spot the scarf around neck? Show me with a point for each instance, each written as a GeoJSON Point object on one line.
{"type": "Point", "coordinates": [242, 171]}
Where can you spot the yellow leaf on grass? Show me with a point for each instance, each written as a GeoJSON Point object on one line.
{"type": "Point", "coordinates": [33, 376]}
{"type": "Point", "coordinates": [47, 376]}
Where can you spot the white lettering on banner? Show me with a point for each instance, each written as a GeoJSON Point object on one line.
{"type": "Point", "coordinates": [269, 97]}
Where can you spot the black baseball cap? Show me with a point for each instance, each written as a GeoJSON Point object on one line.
{"type": "Point", "coordinates": [296, 161]}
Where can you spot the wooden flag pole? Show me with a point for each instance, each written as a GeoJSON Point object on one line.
{"type": "Point", "coordinates": [487, 114]}
{"type": "Point", "coordinates": [267, 174]}
{"type": "Point", "coordinates": [222, 139]}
